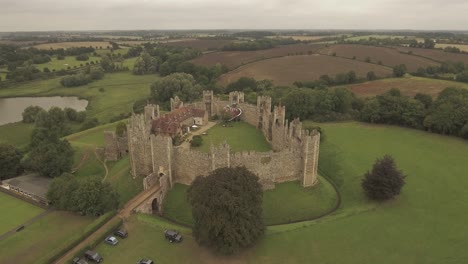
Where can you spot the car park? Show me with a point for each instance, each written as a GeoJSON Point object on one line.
{"type": "Point", "coordinates": [93, 256]}
{"type": "Point", "coordinates": [122, 233]}
{"type": "Point", "coordinates": [111, 240]}
{"type": "Point", "coordinates": [145, 261]}
{"type": "Point", "coordinates": [172, 236]}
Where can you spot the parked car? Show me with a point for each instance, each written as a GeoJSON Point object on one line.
{"type": "Point", "coordinates": [145, 261]}
{"type": "Point", "coordinates": [173, 236]}
{"type": "Point", "coordinates": [79, 261]}
{"type": "Point", "coordinates": [93, 256]}
{"type": "Point", "coordinates": [121, 233]}
{"type": "Point", "coordinates": [111, 240]}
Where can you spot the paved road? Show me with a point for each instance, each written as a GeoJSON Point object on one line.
{"type": "Point", "coordinates": [126, 211]}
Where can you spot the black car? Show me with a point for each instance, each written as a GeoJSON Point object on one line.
{"type": "Point", "coordinates": [93, 256]}
{"type": "Point", "coordinates": [79, 261]}
{"type": "Point", "coordinates": [145, 261]}
{"type": "Point", "coordinates": [121, 233]}
{"type": "Point", "coordinates": [172, 236]}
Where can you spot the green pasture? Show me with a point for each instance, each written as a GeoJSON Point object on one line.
{"type": "Point", "coordinates": [69, 61]}
{"type": "Point", "coordinates": [109, 97]}
{"type": "Point", "coordinates": [36, 242]}
{"type": "Point", "coordinates": [240, 136]}
{"type": "Point", "coordinates": [15, 212]}
{"type": "Point", "coordinates": [425, 224]}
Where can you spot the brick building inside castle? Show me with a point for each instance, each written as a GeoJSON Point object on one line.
{"type": "Point", "coordinates": [149, 143]}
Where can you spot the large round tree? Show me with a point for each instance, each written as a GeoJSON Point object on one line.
{"type": "Point", "coordinates": [384, 181]}
{"type": "Point", "coordinates": [227, 208]}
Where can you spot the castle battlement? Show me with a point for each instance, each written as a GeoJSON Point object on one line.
{"type": "Point", "coordinates": [294, 156]}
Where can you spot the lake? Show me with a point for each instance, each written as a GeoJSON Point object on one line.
{"type": "Point", "coordinates": [12, 108]}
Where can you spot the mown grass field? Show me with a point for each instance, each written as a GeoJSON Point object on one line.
{"type": "Point", "coordinates": [36, 242]}
{"type": "Point", "coordinates": [15, 212]}
{"type": "Point", "coordinates": [303, 203]}
{"type": "Point", "coordinates": [109, 97]}
{"type": "Point", "coordinates": [17, 134]}
{"type": "Point", "coordinates": [240, 136]}
{"type": "Point", "coordinates": [460, 46]}
{"type": "Point", "coordinates": [387, 56]}
{"type": "Point", "coordinates": [425, 224]}
{"type": "Point", "coordinates": [409, 86]}
{"type": "Point", "coordinates": [234, 59]}
{"type": "Point", "coordinates": [289, 69]}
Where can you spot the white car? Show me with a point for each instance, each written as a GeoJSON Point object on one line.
{"type": "Point", "coordinates": [111, 240]}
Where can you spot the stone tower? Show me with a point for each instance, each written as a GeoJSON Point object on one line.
{"type": "Point", "coordinates": [236, 97]}
{"type": "Point", "coordinates": [264, 114]}
{"type": "Point", "coordinates": [279, 115]}
{"type": "Point", "coordinates": [176, 103]}
{"type": "Point", "coordinates": [138, 132]}
{"type": "Point", "coordinates": [151, 112]}
{"type": "Point", "coordinates": [310, 156]}
{"type": "Point", "coordinates": [208, 102]}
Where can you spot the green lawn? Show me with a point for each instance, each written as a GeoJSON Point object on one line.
{"type": "Point", "coordinates": [15, 212]}
{"type": "Point", "coordinates": [303, 203]}
{"type": "Point", "coordinates": [120, 177]}
{"type": "Point", "coordinates": [241, 137]}
{"type": "Point", "coordinates": [17, 134]}
{"type": "Point", "coordinates": [118, 92]}
{"type": "Point", "coordinates": [425, 224]}
{"type": "Point", "coordinates": [36, 242]}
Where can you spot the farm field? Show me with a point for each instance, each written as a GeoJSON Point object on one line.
{"type": "Point", "coordinates": [15, 212]}
{"type": "Point", "coordinates": [66, 45]}
{"type": "Point", "coordinates": [435, 54]}
{"type": "Point", "coordinates": [240, 136]}
{"type": "Point", "coordinates": [366, 37]}
{"type": "Point", "coordinates": [303, 203]}
{"type": "Point", "coordinates": [388, 57]}
{"type": "Point", "coordinates": [201, 44]}
{"type": "Point", "coordinates": [408, 86]}
{"type": "Point", "coordinates": [413, 228]}
{"type": "Point", "coordinates": [460, 46]}
{"type": "Point", "coordinates": [287, 70]}
{"type": "Point", "coordinates": [304, 37]}
{"type": "Point", "coordinates": [37, 242]}
{"type": "Point", "coordinates": [109, 97]}
{"type": "Point", "coordinates": [234, 59]}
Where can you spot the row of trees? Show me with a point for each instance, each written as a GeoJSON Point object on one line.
{"type": "Point", "coordinates": [82, 78]}
{"type": "Point", "coordinates": [447, 114]}
{"type": "Point", "coordinates": [259, 44]}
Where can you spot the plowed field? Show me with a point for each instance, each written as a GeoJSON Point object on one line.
{"type": "Point", "coordinates": [388, 56]}
{"type": "Point", "coordinates": [287, 70]}
{"type": "Point", "coordinates": [233, 59]}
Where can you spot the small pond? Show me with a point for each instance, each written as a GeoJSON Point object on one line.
{"type": "Point", "coordinates": [12, 108]}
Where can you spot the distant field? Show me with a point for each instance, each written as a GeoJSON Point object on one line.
{"type": "Point", "coordinates": [355, 38]}
{"type": "Point", "coordinates": [36, 242]}
{"type": "Point", "coordinates": [460, 46]}
{"type": "Point", "coordinates": [15, 212]}
{"type": "Point", "coordinates": [388, 57]}
{"type": "Point", "coordinates": [66, 45]}
{"type": "Point", "coordinates": [303, 38]}
{"type": "Point", "coordinates": [409, 86]}
{"type": "Point", "coordinates": [201, 44]}
{"type": "Point", "coordinates": [287, 70]}
{"type": "Point", "coordinates": [435, 54]}
{"type": "Point", "coordinates": [240, 136]}
{"type": "Point", "coordinates": [69, 61]}
{"type": "Point", "coordinates": [233, 59]}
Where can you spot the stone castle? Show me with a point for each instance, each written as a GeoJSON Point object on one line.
{"type": "Point", "coordinates": [149, 143]}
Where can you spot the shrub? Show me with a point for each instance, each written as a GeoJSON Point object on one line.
{"type": "Point", "coordinates": [196, 141]}
{"type": "Point", "coordinates": [90, 124]}
{"type": "Point", "coordinates": [82, 57]}
{"type": "Point", "coordinates": [30, 113]}
{"type": "Point", "coordinates": [10, 161]}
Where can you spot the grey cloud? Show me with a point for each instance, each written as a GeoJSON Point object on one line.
{"type": "Point", "coordinates": [210, 14]}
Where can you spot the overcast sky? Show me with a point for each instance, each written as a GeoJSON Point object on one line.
{"type": "Point", "coordinates": [35, 15]}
